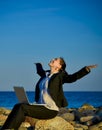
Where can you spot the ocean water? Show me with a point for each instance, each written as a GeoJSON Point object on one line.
{"type": "Point", "coordinates": [75, 99]}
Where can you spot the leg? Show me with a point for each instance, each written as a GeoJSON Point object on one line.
{"type": "Point", "coordinates": [40, 112]}
{"type": "Point", "coordinates": [15, 118]}
{"type": "Point", "coordinates": [18, 113]}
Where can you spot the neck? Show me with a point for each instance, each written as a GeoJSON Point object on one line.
{"type": "Point", "coordinates": [53, 71]}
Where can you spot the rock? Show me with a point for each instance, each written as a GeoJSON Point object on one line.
{"type": "Point", "coordinates": [4, 111]}
{"type": "Point", "coordinates": [56, 123]}
{"type": "Point", "coordinates": [94, 128]}
{"type": "Point", "coordinates": [2, 119]}
{"type": "Point", "coordinates": [62, 111]}
{"type": "Point", "coordinates": [25, 124]}
{"type": "Point", "coordinates": [68, 116]}
{"type": "Point", "coordinates": [100, 124]}
{"type": "Point", "coordinates": [31, 120]}
{"type": "Point", "coordinates": [22, 128]}
{"type": "Point", "coordinates": [86, 107]}
{"type": "Point", "coordinates": [85, 118]}
{"type": "Point", "coordinates": [80, 127]}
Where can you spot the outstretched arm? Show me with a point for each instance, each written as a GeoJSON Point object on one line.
{"type": "Point", "coordinates": [69, 78]}
{"type": "Point", "coordinates": [40, 70]}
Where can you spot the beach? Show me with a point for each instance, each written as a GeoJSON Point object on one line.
{"type": "Point", "coordinates": [87, 117]}
{"type": "Point", "coordinates": [84, 112]}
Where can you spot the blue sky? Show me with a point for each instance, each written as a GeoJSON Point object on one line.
{"type": "Point", "coordinates": [39, 30]}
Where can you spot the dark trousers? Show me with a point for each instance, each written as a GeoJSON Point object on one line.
{"type": "Point", "coordinates": [18, 113]}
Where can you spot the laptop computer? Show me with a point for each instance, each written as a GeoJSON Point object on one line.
{"type": "Point", "coordinates": [22, 96]}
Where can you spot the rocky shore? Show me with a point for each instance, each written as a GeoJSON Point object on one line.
{"type": "Point", "coordinates": [87, 117]}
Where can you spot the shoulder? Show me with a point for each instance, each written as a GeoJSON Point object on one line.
{"type": "Point", "coordinates": [61, 74]}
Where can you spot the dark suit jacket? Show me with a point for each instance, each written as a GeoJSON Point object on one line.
{"type": "Point", "coordinates": [55, 88]}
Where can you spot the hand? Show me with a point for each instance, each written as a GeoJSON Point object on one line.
{"type": "Point", "coordinates": [88, 68]}
{"type": "Point", "coordinates": [92, 66]}
{"type": "Point", "coordinates": [37, 63]}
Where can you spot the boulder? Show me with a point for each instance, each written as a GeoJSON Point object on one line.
{"type": "Point", "coordinates": [56, 123]}
{"type": "Point", "coordinates": [85, 118]}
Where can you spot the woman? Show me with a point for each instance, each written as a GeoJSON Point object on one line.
{"type": "Point", "coordinates": [49, 94]}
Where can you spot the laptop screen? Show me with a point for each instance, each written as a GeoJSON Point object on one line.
{"type": "Point", "coordinates": [21, 94]}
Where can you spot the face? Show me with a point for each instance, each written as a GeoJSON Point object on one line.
{"type": "Point", "coordinates": [55, 63]}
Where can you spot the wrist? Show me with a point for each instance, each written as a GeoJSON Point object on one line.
{"type": "Point", "coordinates": [87, 69]}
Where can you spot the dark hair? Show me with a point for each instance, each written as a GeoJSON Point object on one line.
{"type": "Point", "coordinates": [63, 64]}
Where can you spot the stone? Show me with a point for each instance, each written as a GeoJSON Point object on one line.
{"type": "Point", "coordinates": [68, 116]}
{"type": "Point", "coordinates": [80, 127]}
{"type": "Point", "coordinates": [86, 118]}
{"type": "Point", "coordinates": [4, 111]}
{"type": "Point", "coordinates": [31, 120]}
{"type": "Point", "coordinates": [86, 107]}
{"type": "Point", "coordinates": [56, 123]}
{"type": "Point", "coordinates": [2, 119]}
{"type": "Point", "coordinates": [25, 124]}
{"type": "Point", "coordinates": [67, 119]}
